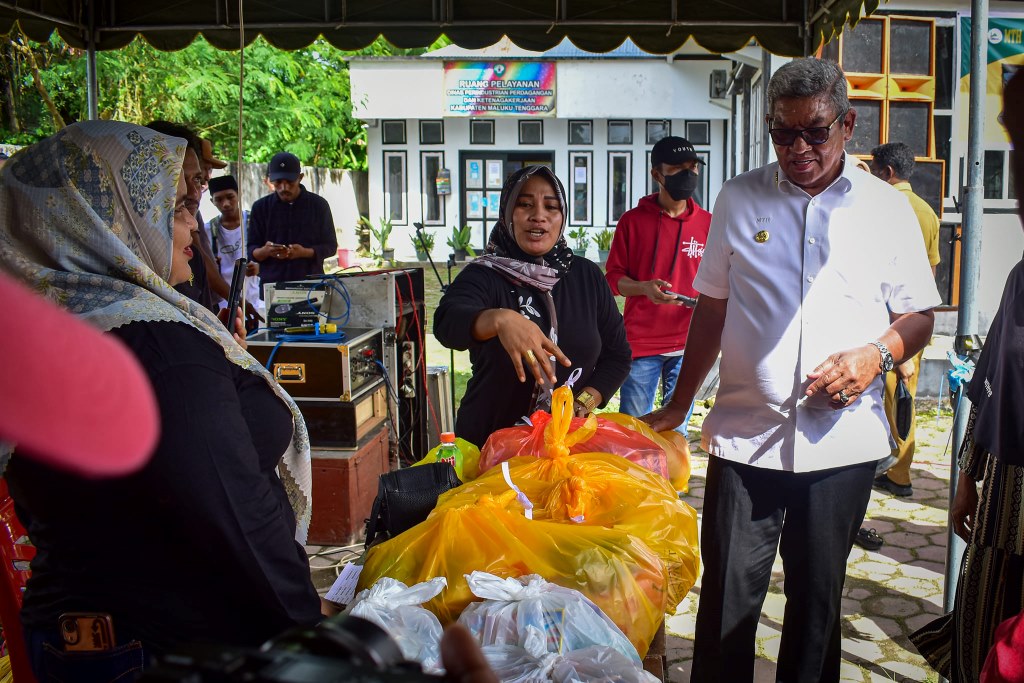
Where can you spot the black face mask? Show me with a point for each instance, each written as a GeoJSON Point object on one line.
{"type": "Point", "coordinates": [680, 185]}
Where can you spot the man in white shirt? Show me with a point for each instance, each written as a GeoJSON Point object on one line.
{"type": "Point", "coordinates": [225, 233]}
{"type": "Point", "coordinates": [804, 260]}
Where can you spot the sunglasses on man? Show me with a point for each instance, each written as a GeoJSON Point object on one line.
{"type": "Point", "coordinates": [784, 137]}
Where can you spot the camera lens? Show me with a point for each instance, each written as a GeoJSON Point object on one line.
{"type": "Point", "coordinates": [358, 641]}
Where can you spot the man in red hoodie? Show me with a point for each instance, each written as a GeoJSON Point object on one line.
{"type": "Point", "coordinates": [653, 260]}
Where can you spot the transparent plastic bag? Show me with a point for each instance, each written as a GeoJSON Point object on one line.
{"type": "Point", "coordinates": [397, 608]}
{"type": "Point", "coordinates": [614, 569]}
{"type": "Point", "coordinates": [540, 616]}
{"type": "Point", "coordinates": [513, 664]}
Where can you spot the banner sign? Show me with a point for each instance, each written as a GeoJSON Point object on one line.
{"type": "Point", "coordinates": [499, 88]}
{"type": "Point", "coordinates": [1005, 56]}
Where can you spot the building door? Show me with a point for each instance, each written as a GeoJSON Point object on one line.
{"type": "Point", "coordinates": [483, 174]}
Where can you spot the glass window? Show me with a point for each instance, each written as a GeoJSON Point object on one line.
{"type": "Point", "coordinates": [946, 54]}
{"type": "Point", "coordinates": [618, 184]}
{"type": "Point", "coordinates": [943, 142]}
{"type": "Point", "coordinates": [657, 130]}
{"type": "Point", "coordinates": [531, 132]}
{"type": "Point", "coordinates": [481, 132]}
{"type": "Point", "coordinates": [620, 132]}
{"type": "Point", "coordinates": [433, 203]}
{"type": "Point", "coordinates": [431, 132]}
{"type": "Point", "coordinates": [394, 187]}
{"type": "Point", "coordinates": [581, 132]}
{"type": "Point", "coordinates": [393, 132]}
{"type": "Point", "coordinates": [699, 132]}
{"type": "Point", "coordinates": [993, 172]}
{"type": "Point", "coordinates": [579, 183]}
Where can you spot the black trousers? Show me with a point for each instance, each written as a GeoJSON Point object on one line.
{"type": "Point", "coordinates": [749, 512]}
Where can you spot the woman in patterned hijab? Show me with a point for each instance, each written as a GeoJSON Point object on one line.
{"type": "Point", "coordinates": [94, 218]}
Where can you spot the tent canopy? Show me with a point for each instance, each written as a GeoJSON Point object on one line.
{"type": "Point", "coordinates": [785, 27]}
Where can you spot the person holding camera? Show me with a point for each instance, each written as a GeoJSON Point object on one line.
{"type": "Point", "coordinates": [204, 543]}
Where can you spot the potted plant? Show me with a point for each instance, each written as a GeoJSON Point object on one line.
{"type": "Point", "coordinates": [460, 242]}
{"type": "Point", "coordinates": [382, 234]}
{"type": "Point", "coordinates": [579, 236]}
{"type": "Point", "coordinates": [603, 240]}
{"type": "Point", "coordinates": [423, 242]}
{"type": "Point", "coordinates": [364, 229]}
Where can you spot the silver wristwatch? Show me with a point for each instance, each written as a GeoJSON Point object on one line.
{"type": "Point", "coordinates": [886, 362]}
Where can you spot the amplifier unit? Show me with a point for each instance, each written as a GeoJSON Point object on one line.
{"type": "Point", "coordinates": [339, 370]}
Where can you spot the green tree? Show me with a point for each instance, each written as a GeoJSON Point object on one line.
{"type": "Point", "coordinates": [297, 101]}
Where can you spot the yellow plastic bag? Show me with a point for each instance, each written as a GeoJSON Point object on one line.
{"type": "Point", "coordinates": [599, 489]}
{"type": "Point", "coordinates": [614, 569]}
{"type": "Point", "coordinates": [677, 450]}
{"type": "Point", "coordinates": [470, 459]}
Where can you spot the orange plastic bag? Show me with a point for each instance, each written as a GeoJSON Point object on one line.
{"type": "Point", "coordinates": [559, 433]}
{"type": "Point", "coordinates": [677, 450]}
{"type": "Point", "coordinates": [598, 489]}
{"type": "Point", "coordinates": [614, 569]}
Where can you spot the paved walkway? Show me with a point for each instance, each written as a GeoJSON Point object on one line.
{"type": "Point", "coordinates": [889, 593]}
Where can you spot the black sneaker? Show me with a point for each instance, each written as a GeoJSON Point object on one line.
{"type": "Point", "coordinates": [868, 539]}
{"type": "Point", "coordinates": [884, 483]}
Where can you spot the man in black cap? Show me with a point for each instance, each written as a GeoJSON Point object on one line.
{"type": "Point", "coordinates": [291, 232]}
{"type": "Point", "coordinates": [654, 256]}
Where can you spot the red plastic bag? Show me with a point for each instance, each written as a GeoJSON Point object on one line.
{"type": "Point", "coordinates": [559, 433]}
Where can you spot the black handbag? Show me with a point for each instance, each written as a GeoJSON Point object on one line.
{"type": "Point", "coordinates": [904, 409]}
{"type": "Point", "coordinates": [405, 497]}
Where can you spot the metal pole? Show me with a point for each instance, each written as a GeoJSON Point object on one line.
{"type": "Point", "coordinates": [967, 319]}
{"type": "Point", "coordinates": [91, 80]}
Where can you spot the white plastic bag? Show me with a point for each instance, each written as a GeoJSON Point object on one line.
{"type": "Point", "coordinates": [397, 609]}
{"type": "Point", "coordinates": [513, 664]}
{"type": "Point", "coordinates": [540, 617]}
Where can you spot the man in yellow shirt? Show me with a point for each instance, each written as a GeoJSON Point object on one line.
{"type": "Point", "coordinates": [894, 163]}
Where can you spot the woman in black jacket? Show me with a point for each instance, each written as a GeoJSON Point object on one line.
{"type": "Point", "coordinates": [531, 314]}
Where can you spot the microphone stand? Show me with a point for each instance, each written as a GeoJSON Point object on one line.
{"type": "Point", "coordinates": [423, 248]}
{"type": "Point", "coordinates": [444, 288]}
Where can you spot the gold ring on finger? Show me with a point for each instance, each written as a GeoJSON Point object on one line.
{"type": "Point", "coordinates": [530, 356]}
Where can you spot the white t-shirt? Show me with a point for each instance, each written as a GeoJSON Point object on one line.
{"type": "Point", "coordinates": [227, 248]}
{"type": "Point", "coordinates": [824, 280]}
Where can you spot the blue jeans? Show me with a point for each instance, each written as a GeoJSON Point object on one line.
{"type": "Point", "coordinates": [636, 397]}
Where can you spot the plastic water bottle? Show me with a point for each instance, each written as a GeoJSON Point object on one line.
{"type": "Point", "coordinates": [449, 451]}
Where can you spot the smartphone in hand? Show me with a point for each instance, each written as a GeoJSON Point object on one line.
{"type": "Point", "coordinates": [235, 291]}
{"type": "Point", "coordinates": [688, 301]}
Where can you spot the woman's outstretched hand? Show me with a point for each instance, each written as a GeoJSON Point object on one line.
{"type": "Point", "coordinates": [527, 346]}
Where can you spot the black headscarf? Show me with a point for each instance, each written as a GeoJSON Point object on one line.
{"type": "Point", "coordinates": [503, 252]}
